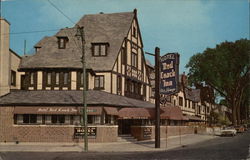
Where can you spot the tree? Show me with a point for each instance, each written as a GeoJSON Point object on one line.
{"type": "Point", "coordinates": [225, 68]}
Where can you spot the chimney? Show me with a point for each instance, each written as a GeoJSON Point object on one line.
{"type": "Point", "coordinates": [4, 57]}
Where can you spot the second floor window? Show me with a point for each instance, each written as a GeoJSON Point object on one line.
{"type": "Point", "coordinates": [119, 84]}
{"type": "Point", "coordinates": [99, 82]}
{"type": "Point", "coordinates": [99, 49]}
{"type": "Point", "coordinates": [57, 78]}
{"type": "Point", "coordinates": [13, 78]}
{"type": "Point", "coordinates": [65, 78]}
{"type": "Point", "coordinates": [134, 60]}
{"type": "Point", "coordinates": [180, 101]}
{"type": "Point", "coordinates": [49, 77]}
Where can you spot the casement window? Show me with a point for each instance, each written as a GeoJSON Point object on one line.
{"type": "Point", "coordinates": [29, 118]}
{"type": "Point", "coordinates": [99, 82]}
{"type": "Point", "coordinates": [62, 42]}
{"type": "Point", "coordinates": [185, 102]}
{"type": "Point", "coordinates": [37, 49]}
{"type": "Point", "coordinates": [99, 49]}
{"type": "Point", "coordinates": [180, 101]}
{"type": "Point", "coordinates": [134, 60]}
{"type": "Point", "coordinates": [119, 84]}
{"type": "Point", "coordinates": [65, 78]}
{"type": "Point", "coordinates": [124, 56]}
{"type": "Point", "coordinates": [32, 78]}
{"type": "Point", "coordinates": [94, 119]}
{"type": "Point", "coordinates": [80, 80]}
{"type": "Point", "coordinates": [134, 33]}
{"type": "Point", "coordinates": [13, 78]}
{"type": "Point", "coordinates": [48, 79]}
{"type": "Point", "coordinates": [58, 119]}
{"type": "Point", "coordinates": [57, 79]}
{"type": "Point", "coordinates": [193, 105]}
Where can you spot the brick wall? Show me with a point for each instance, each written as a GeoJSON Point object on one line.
{"type": "Point", "coordinates": [137, 131]}
{"type": "Point", "coordinates": [47, 133]}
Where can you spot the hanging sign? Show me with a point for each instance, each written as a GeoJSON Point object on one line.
{"type": "Point", "coordinates": [169, 73]}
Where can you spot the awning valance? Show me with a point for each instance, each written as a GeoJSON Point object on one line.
{"type": "Point", "coordinates": [111, 111]}
{"type": "Point", "coordinates": [46, 110]}
{"type": "Point", "coordinates": [57, 110]}
{"type": "Point", "coordinates": [136, 113]}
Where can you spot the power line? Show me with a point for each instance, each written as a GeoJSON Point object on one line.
{"type": "Point", "coordinates": [61, 12]}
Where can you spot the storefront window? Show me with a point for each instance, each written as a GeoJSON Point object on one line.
{"type": "Point", "coordinates": [57, 119]}
{"type": "Point", "coordinates": [29, 118]}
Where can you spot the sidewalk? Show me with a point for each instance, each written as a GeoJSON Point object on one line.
{"type": "Point", "coordinates": [172, 142]}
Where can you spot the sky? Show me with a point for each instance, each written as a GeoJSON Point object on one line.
{"type": "Point", "coordinates": [184, 26]}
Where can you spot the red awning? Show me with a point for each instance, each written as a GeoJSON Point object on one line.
{"type": "Point", "coordinates": [136, 113]}
{"type": "Point", "coordinates": [111, 111]}
{"type": "Point", "coordinates": [172, 113]}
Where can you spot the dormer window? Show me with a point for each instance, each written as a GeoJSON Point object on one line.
{"type": "Point", "coordinates": [37, 49]}
{"type": "Point", "coordinates": [62, 42]}
{"type": "Point", "coordinates": [99, 49]}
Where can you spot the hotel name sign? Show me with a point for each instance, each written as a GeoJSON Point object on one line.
{"type": "Point", "coordinates": [169, 73]}
{"type": "Point", "coordinates": [58, 110]}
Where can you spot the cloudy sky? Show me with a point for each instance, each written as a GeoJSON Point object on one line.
{"type": "Point", "coordinates": [183, 26]}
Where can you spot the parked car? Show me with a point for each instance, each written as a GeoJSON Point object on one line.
{"type": "Point", "coordinates": [228, 131]}
{"type": "Point", "coordinates": [240, 129]}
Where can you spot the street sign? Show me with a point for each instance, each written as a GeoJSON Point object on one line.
{"type": "Point", "coordinates": [169, 73]}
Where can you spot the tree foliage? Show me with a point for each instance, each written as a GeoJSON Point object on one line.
{"type": "Point", "coordinates": [225, 68]}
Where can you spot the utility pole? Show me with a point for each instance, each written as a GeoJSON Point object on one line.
{"type": "Point", "coordinates": [80, 35]}
{"type": "Point", "coordinates": [157, 98]}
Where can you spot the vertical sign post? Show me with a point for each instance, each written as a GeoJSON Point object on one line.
{"type": "Point", "coordinates": [170, 77]}
{"type": "Point", "coordinates": [157, 97]}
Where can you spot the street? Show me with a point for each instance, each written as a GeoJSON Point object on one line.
{"type": "Point", "coordinates": [220, 148]}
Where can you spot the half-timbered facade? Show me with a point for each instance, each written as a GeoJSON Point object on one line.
{"type": "Point", "coordinates": [114, 55]}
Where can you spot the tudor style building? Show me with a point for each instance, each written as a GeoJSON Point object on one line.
{"type": "Point", "coordinates": [48, 92]}
{"type": "Point", "coordinates": [114, 56]}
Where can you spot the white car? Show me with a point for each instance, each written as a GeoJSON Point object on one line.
{"type": "Point", "coordinates": [228, 131]}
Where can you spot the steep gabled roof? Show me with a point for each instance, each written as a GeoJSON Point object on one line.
{"type": "Point", "coordinates": [105, 28]}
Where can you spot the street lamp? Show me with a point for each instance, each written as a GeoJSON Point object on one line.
{"type": "Point", "coordinates": [80, 36]}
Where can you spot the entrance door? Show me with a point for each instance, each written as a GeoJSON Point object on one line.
{"type": "Point", "coordinates": [124, 126]}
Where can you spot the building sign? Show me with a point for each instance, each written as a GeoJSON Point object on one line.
{"type": "Point", "coordinates": [51, 109]}
{"type": "Point", "coordinates": [169, 73]}
{"type": "Point", "coordinates": [79, 132]}
{"type": "Point", "coordinates": [147, 132]}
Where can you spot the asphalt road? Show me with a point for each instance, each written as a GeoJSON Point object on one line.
{"type": "Point", "coordinates": [221, 148]}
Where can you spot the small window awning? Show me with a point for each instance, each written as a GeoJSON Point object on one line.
{"type": "Point", "coordinates": [111, 111]}
{"type": "Point", "coordinates": [136, 113]}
